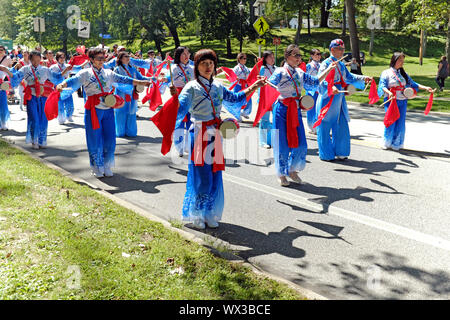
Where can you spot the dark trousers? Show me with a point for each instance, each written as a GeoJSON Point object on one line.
{"type": "Point", "coordinates": [440, 82]}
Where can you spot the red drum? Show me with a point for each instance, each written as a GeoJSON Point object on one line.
{"type": "Point", "coordinates": [229, 128]}
{"type": "Point", "coordinates": [350, 90]}
{"type": "Point", "coordinates": [6, 86]}
{"type": "Point", "coordinates": [306, 102]}
{"type": "Point", "coordinates": [409, 93]}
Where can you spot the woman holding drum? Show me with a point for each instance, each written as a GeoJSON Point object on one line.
{"type": "Point", "coordinates": [396, 84]}
{"type": "Point", "coordinates": [125, 117]}
{"type": "Point", "coordinates": [100, 105]}
{"type": "Point", "coordinates": [242, 73]}
{"type": "Point", "coordinates": [312, 68]}
{"type": "Point", "coordinates": [203, 99]}
{"type": "Point", "coordinates": [289, 141]}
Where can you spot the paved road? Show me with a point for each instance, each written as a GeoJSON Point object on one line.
{"type": "Point", "coordinates": [376, 226]}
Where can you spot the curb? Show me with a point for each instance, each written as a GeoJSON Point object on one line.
{"type": "Point", "coordinates": [230, 257]}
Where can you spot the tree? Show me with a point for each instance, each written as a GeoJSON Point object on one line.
{"type": "Point", "coordinates": [354, 41]}
{"type": "Point", "coordinates": [295, 6]}
{"type": "Point", "coordinates": [325, 7]}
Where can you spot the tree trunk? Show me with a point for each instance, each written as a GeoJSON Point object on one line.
{"type": "Point", "coordinates": [372, 37]}
{"type": "Point", "coordinates": [158, 45]}
{"type": "Point", "coordinates": [309, 24]}
{"type": "Point", "coordinates": [354, 41]}
{"type": "Point", "coordinates": [344, 21]}
{"type": "Point", "coordinates": [324, 13]}
{"type": "Point", "coordinates": [229, 52]}
{"type": "Point", "coordinates": [299, 26]}
{"type": "Point", "coordinates": [447, 44]}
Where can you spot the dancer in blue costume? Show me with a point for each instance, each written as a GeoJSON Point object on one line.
{"type": "Point", "coordinates": [265, 127]}
{"type": "Point", "coordinates": [6, 62]}
{"type": "Point", "coordinates": [312, 68]}
{"type": "Point", "coordinates": [203, 99]}
{"type": "Point", "coordinates": [182, 73]}
{"type": "Point", "coordinates": [289, 143]}
{"type": "Point", "coordinates": [392, 82]}
{"type": "Point", "coordinates": [65, 107]}
{"type": "Point", "coordinates": [99, 118]}
{"type": "Point", "coordinates": [125, 117]}
{"type": "Point", "coordinates": [35, 76]}
{"type": "Point", "coordinates": [242, 73]}
{"type": "Point", "coordinates": [337, 118]}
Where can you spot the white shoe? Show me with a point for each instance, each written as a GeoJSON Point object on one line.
{"type": "Point", "coordinates": [198, 224]}
{"type": "Point", "coordinates": [341, 157]}
{"type": "Point", "coordinates": [266, 146]}
{"type": "Point", "coordinates": [212, 224]}
{"type": "Point", "coordinates": [97, 173]}
{"type": "Point", "coordinates": [35, 146]}
{"type": "Point", "coordinates": [283, 181]}
{"type": "Point", "coordinates": [70, 119]}
{"type": "Point", "coordinates": [295, 177]}
{"type": "Point", "coordinates": [108, 172]}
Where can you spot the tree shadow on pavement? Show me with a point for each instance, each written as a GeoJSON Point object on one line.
{"type": "Point", "coordinates": [381, 276]}
{"type": "Point", "coordinates": [376, 167]}
{"type": "Point", "coordinates": [330, 195]}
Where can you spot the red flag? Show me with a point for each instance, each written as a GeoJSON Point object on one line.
{"type": "Point", "coordinates": [267, 96]}
{"type": "Point", "coordinates": [154, 96]}
{"type": "Point", "coordinates": [78, 60]}
{"type": "Point", "coordinates": [51, 105]}
{"type": "Point", "coordinates": [429, 104]}
{"type": "Point", "coordinates": [169, 57]}
{"type": "Point", "coordinates": [323, 111]}
{"type": "Point", "coordinates": [81, 49]}
{"type": "Point", "coordinates": [160, 67]}
{"type": "Point", "coordinates": [165, 121]}
{"type": "Point", "coordinates": [252, 77]}
{"type": "Point", "coordinates": [229, 73]}
{"type": "Point", "coordinates": [302, 66]}
{"type": "Point", "coordinates": [330, 80]}
{"type": "Point", "coordinates": [373, 94]}
{"type": "Point", "coordinates": [150, 71]}
{"type": "Point", "coordinates": [392, 114]}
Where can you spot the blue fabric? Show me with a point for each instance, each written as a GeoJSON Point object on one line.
{"type": "Point", "coordinates": [287, 159]}
{"type": "Point", "coordinates": [4, 111]}
{"type": "Point", "coordinates": [394, 135]}
{"type": "Point", "coordinates": [125, 118]}
{"type": "Point", "coordinates": [248, 107]}
{"type": "Point", "coordinates": [101, 143]}
{"type": "Point", "coordinates": [339, 143]}
{"type": "Point", "coordinates": [204, 197]}
{"type": "Point", "coordinates": [65, 109]}
{"type": "Point", "coordinates": [181, 135]}
{"type": "Point", "coordinates": [311, 116]}
{"type": "Point", "coordinates": [36, 121]}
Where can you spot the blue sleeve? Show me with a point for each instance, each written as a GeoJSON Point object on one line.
{"type": "Point", "coordinates": [74, 82]}
{"type": "Point", "coordinates": [233, 101]}
{"type": "Point", "coordinates": [139, 76]}
{"type": "Point", "coordinates": [110, 65]}
{"type": "Point", "coordinates": [117, 78]}
{"type": "Point", "coordinates": [308, 68]}
{"type": "Point", "coordinates": [140, 63]}
{"type": "Point", "coordinates": [410, 82]}
{"type": "Point", "coordinates": [55, 76]}
{"type": "Point", "coordinates": [354, 79]}
{"type": "Point", "coordinates": [311, 83]}
{"type": "Point", "coordinates": [275, 78]}
{"type": "Point", "coordinates": [262, 71]}
{"type": "Point", "coordinates": [185, 99]}
{"type": "Point", "coordinates": [382, 84]}
{"type": "Point", "coordinates": [16, 78]}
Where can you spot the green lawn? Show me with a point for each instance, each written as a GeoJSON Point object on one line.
{"type": "Point", "coordinates": [54, 231]}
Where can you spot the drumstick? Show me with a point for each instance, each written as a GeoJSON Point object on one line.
{"type": "Point", "coordinates": [342, 91]}
{"type": "Point", "coordinates": [386, 102]}
{"type": "Point", "coordinates": [272, 85]}
{"type": "Point", "coordinates": [367, 85]}
{"type": "Point", "coordinates": [253, 53]}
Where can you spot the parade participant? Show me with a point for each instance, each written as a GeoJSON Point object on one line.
{"type": "Point", "coordinates": [66, 106]}
{"type": "Point", "coordinates": [99, 118]}
{"type": "Point", "coordinates": [392, 83]}
{"type": "Point", "coordinates": [242, 73]}
{"type": "Point", "coordinates": [289, 141]}
{"type": "Point", "coordinates": [49, 60]}
{"type": "Point", "coordinates": [265, 132]}
{"type": "Point", "coordinates": [312, 68]}
{"type": "Point", "coordinates": [151, 62]}
{"type": "Point", "coordinates": [443, 72]}
{"type": "Point", "coordinates": [6, 62]}
{"type": "Point", "coordinates": [182, 73]}
{"type": "Point", "coordinates": [25, 61]}
{"type": "Point", "coordinates": [125, 117]}
{"type": "Point", "coordinates": [35, 75]}
{"type": "Point", "coordinates": [331, 111]}
{"type": "Point", "coordinates": [203, 98]}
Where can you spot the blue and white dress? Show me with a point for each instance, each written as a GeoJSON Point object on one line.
{"type": "Point", "coordinates": [125, 117]}
{"type": "Point", "coordinates": [394, 135]}
{"type": "Point", "coordinates": [4, 111]}
{"type": "Point", "coordinates": [265, 132]}
{"type": "Point", "coordinates": [66, 106]}
{"type": "Point", "coordinates": [101, 143]}
{"type": "Point", "coordinates": [180, 79]}
{"type": "Point", "coordinates": [37, 123]}
{"type": "Point", "coordinates": [288, 159]}
{"type": "Point", "coordinates": [242, 73]}
{"type": "Point", "coordinates": [312, 68]}
{"type": "Point", "coordinates": [337, 118]}
{"type": "Point", "coordinates": [204, 198]}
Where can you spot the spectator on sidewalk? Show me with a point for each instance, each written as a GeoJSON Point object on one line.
{"type": "Point", "coordinates": [443, 71]}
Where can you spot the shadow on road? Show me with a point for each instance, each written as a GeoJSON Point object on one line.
{"type": "Point", "coordinates": [124, 184]}
{"type": "Point", "coordinates": [376, 167]}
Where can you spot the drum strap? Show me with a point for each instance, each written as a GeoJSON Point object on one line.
{"type": "Point", "coordinates": [37, 86]}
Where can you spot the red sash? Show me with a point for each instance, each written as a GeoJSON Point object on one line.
{"type": "Point", "coordinates": [135, 94]}
{"type": "Point", "coordinates": [27, 95]}
{"type": "Point", "coordinates": [93, 101]}
{"type": "Point", "coordinates": [292, 121]}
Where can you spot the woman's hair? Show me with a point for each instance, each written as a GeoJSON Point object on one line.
{"type": "Point", "coordinates": [394, 59]}
{"type": "Point", "coordinates": [95, 51]}
{"type": "Point", "coordinates": [59, 54]}
{"type": "Point", "coordinates": [314, 51]}
{"type": "Point", "coordinates": [204, 54]}
{"type": "Point", "coordinates": [178, 52]}
{"type": "Point", "coordinates": [35, 53]}
{"type": "Point", "coordinates": [290, 48]}
{"type": "Point", "coordinates": [119, 58]}
{"type": "Point", "coordinates": [265, 55]}
{"type": "Point", "coordinates": [3, 47]}
{"type": "Point", "coordinates": [443, 58]}
{"type": "Point", "coordinates": [240, 55]}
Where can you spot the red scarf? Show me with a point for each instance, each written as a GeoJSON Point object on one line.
{"type": "Point", "coordinates": [292, 121]}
